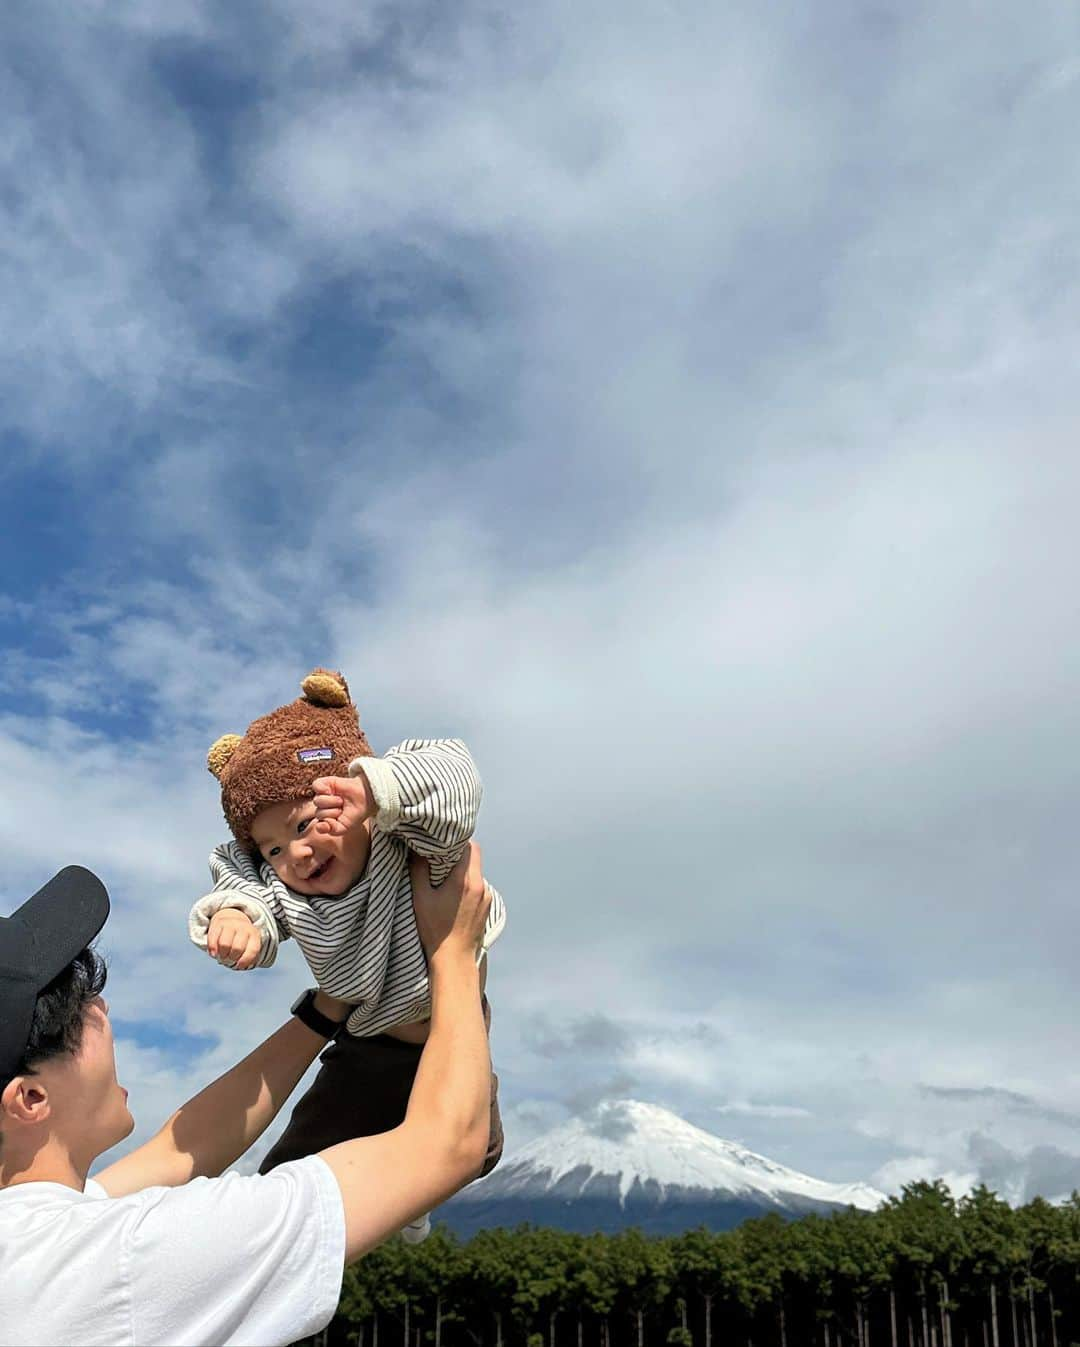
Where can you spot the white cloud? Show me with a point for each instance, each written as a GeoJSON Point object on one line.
{"type": "Point", "coordinates": [744, 1107]}
{"type": "Point", "coordinates": [894, 1175]}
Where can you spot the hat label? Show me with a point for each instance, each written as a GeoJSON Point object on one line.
{"type": "Point", "coordinates": [315, 754]}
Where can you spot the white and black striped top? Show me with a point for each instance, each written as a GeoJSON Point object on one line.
{"type": "Point", "coordinates": [363, 946]}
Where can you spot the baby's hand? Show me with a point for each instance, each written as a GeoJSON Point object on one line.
{"type": "Point", "coordinates": [341, 803]}
{"type": "Point", "coordinates": [232, 939]}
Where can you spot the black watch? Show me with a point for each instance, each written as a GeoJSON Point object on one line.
{"type": "Point", "coordinates": [304, 1010]}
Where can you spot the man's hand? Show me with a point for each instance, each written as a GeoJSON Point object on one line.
{"type": "Point", "coordinates": [341, 803]}
{"type": "Point", "coordinates": [233, 939]}
{"type": "Point", "coordinates": [452, 917]}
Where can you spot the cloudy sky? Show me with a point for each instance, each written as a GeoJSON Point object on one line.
{"type": "Point", "coordinates": [676, 400]}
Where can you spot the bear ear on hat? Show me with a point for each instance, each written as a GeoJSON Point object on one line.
{"type": "Point", "coordinates": [323, 688]}
{"type": "Point", "coordinates": [221, 750]}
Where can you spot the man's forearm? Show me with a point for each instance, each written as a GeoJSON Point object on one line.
{"type": "Point", "coordinates": [213, 1129]}
{"type": "Point", "coordinates": [389, 1179]}
{"type": "Point", "coordinates": [452, 1090]}
{"type": "Point", "coordinates": [217, 1126]}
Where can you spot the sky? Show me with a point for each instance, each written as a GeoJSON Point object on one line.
{"type": "Point", "coordinates": [676, 401]}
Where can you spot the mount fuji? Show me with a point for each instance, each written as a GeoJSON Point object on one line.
{"type": "Point", "coordinates": [633, 1164]}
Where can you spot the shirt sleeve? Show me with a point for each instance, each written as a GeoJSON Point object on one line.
{"type": "Point", "coordinates": [428, 793]}
{"type": "Point", "coordinates": [238, 883]}
{"type": "Point", "coordinates": [238, 1259]}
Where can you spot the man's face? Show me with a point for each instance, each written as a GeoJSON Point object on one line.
{"type": "Point", "coordinates": [83, 1088]}
{"type": "Point", "coordinates": [304, 859]}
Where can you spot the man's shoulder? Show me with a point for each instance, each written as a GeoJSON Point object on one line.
{"type": "Point", "coordinates": [89, 1267]}
{"type": "Point", "coordinates": [58, 1201]}
{"type": "Point", "coordinates": [45, 1194]}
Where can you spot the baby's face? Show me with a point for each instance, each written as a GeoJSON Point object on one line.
{"type": "Point", "coordinates": [303, 858]}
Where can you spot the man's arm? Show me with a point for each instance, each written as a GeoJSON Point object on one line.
{"type": "Point", "coordinates": [212, 1130]}
{"type": "Point", "coordinates": [389, 1180]}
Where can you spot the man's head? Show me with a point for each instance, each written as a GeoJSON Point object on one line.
{"type": "Point", "coordinates": [65, 1083]}
{"type": "Point", "coordinates": [275, 762]}
{"type": "Point", "coordinates": [57, 1068]}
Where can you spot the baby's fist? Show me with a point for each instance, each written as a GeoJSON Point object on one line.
{"type": "Point", "coordinates": [342, 802]}
{"type": "Point", "coordinates": [232, 939]}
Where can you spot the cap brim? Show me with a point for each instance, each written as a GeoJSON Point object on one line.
{"type": "Point", "coordinates": [62, 918]}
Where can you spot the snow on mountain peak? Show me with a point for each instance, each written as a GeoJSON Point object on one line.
{"type": "Point", "coordinates": [638, 1142]}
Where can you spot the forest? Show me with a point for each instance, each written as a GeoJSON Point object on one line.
{"type": "Point", "coordinates": [924, 1270]}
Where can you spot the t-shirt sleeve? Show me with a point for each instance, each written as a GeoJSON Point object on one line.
{"type": "Point", "coordinates": [241, 1259]}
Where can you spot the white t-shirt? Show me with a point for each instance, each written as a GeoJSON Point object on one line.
{"type": "Point", "coordinates": [248, 1260]}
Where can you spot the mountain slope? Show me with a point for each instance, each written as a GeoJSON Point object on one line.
{"type": "Point", "coordinates": [630, 1163]}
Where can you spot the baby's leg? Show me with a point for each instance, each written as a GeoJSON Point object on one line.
{"type": "Point", "coordinates": [495, 1140]}
{"type": "Point", "coordinates": [495, 1136]}
{"type": "Point", "coordinates": [362, 1089]}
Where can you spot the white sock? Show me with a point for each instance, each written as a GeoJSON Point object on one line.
{"type": "Point", "coordinates": [417, 1231]}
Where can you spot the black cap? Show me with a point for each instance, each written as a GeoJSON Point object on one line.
{"type": "Point", "coordinates": [37, 942]}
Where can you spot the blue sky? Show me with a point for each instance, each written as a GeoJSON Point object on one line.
{"type": "Point", "coordinates": [678, 402]}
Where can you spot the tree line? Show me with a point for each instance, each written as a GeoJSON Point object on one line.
{"type": "Point", "coordinates": [924, 1270]}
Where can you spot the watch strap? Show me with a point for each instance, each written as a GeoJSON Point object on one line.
{"type": "Point", "coordinates": [316, 1021]}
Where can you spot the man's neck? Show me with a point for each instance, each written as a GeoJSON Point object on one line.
{"type": "Point", "coordinates": [47, 1163]}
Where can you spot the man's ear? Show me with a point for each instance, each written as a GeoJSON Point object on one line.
{"type": "Point", "coordinates": [25, 1100]}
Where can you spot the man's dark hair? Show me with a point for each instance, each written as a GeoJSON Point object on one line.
{"type": "Point", "coordinates": [59, 1013]}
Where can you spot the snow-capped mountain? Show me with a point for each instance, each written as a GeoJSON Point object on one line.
{"type": "Point", "coordinates": [629, 1163]}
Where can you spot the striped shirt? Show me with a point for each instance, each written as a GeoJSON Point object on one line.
{"type": "Point", "coordinates": [363, 946]}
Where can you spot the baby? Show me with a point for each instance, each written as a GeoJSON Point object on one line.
{"type": "Point", "coordinates": [323, 831]}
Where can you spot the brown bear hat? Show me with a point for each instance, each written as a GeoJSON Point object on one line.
{"type": "Point", "coordinates": [281, 754]}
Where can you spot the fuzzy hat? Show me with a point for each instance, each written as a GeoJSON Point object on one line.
{"type": "Point", "coordinates": [281, 754]}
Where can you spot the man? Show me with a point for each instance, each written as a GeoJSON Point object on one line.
{"type": "Point", "coordinates": [158, 1248]}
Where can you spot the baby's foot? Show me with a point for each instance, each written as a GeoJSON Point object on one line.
{"type": "Point", "coordinates": [417, 1231]}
